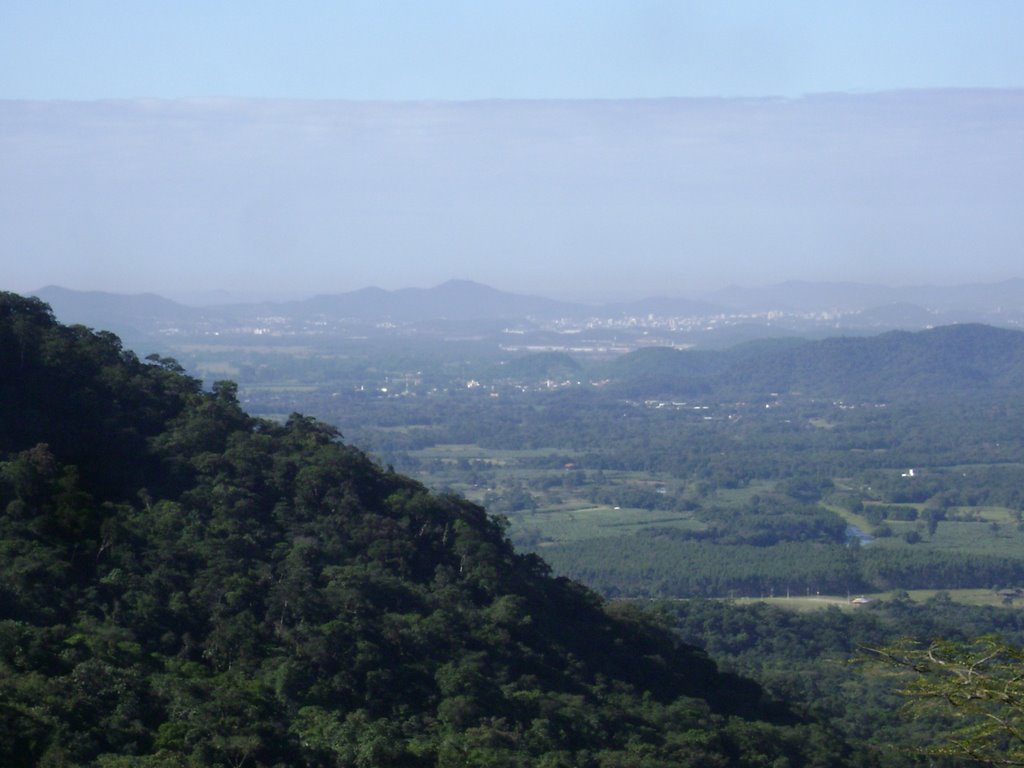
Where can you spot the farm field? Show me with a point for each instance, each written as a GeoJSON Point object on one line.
{"type": "Point", "coordinates": [802, 603]}
{"type": "Point", "coordinates": [649, 532]}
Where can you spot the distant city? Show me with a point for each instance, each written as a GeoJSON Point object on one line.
{"type": "Point", "coordinates": [467, 311]}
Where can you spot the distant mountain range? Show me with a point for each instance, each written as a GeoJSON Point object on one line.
{"type": "Point", "coordinates": [792, 308]}
{"type": "Point", "coordinates": [453, 300]}
{"type": "Point", "coordinates": [458, 300]}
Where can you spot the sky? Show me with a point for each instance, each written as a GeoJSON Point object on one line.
{"type": "Point", "coordinates": [579, 149]}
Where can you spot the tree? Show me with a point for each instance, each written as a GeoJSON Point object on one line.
{"type": "Point", "coordinates": [977, 685]}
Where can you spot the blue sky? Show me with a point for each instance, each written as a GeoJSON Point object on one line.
{"type": "Point", "coordinates": [475, 49]}
{"type": "Point", "coordinates": [400, 144]}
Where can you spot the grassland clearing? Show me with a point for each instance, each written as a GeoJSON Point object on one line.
{"type": "Point", "coordinates": [572, 523]}
{"type": "Point", "coordinates": [804, 603]}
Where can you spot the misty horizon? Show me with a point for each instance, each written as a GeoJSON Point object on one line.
{"type": "Point", "coordinates": [574, 199]}
{"type": "Point", "coordinates": [219, 296]}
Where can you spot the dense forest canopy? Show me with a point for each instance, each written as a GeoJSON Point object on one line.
{"type": "Point", "coordinates": [184, 584]}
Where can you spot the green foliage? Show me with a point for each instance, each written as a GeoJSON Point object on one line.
{"type": "Point", "coordinates": [805, 658]}
{"type": "Point", "coordinates": [975, 685]}
{"type": "Point", "coordinates": [184, 584]}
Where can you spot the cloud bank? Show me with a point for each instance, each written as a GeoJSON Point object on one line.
{"type": "Point", "coordinates": [581, 199]}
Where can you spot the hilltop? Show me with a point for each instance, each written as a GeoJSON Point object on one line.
{"type": "Point", "coordinates": [948, 362]}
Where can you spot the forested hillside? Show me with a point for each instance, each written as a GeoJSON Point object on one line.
{"type": "Point", "coordinates": [183, 584]}
{"type": "Point", "coordinates": [955, 360]}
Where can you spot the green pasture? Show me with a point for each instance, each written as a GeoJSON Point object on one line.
{"type": "Point", "coordinates": [743, 495]}
{"type": "Point", "coordinates": [804, 603]}
{"type": "Point", "coordinates": [987, 514]}
{"type": "Point", "coordinates": [561, 526]}
{"type": "Point", "coordinates": [986, 536]}
{"type": "Point", "coordinates": [801, 603]}
{"type": "Point", "coordinates": [474, 451]}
